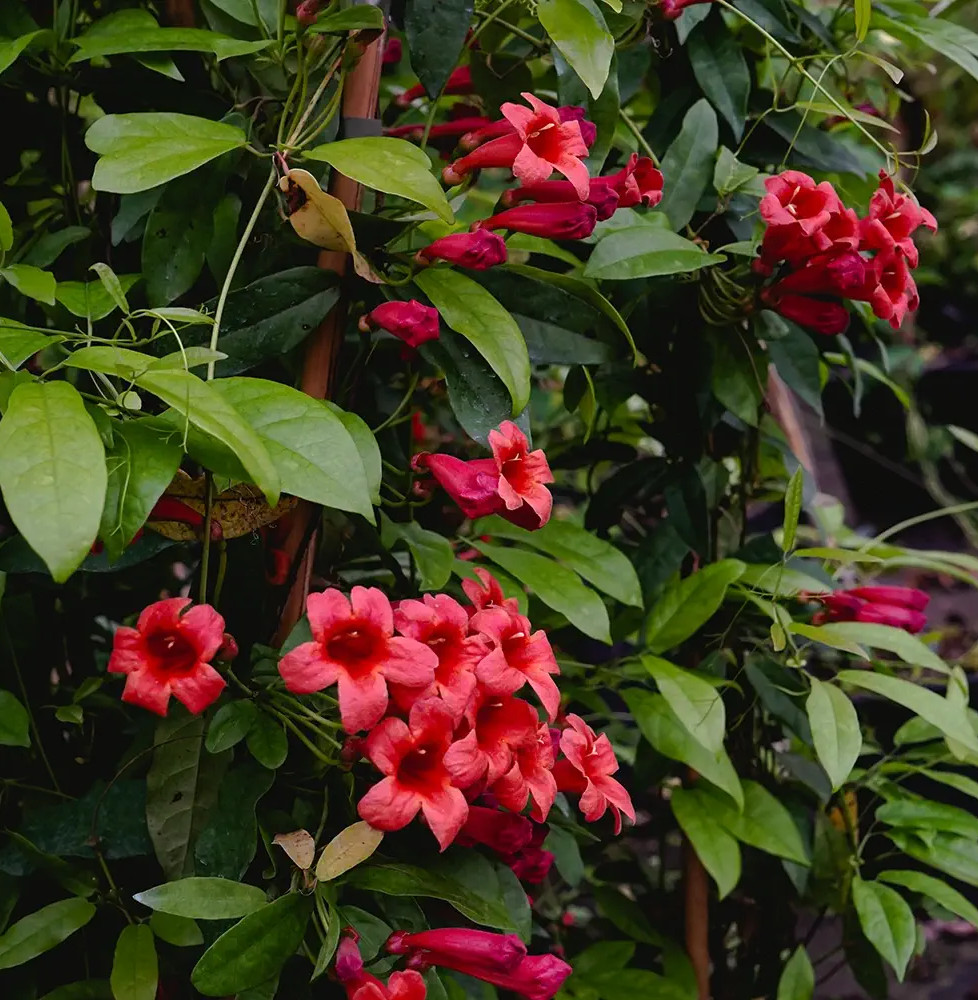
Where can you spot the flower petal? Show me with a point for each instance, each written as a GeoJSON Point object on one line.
{"type": "Point", "coordinates": [445, 811]}
{"type": "Point", "coordinates": [531, 168]}
{"type": "Point", "coordinates": [389, 806]}
{"type": "Point", "coordinates": [162, 616]}
{"type": "Point", "coordinates": [145, 689]}
{"type": "Point", "coordinates": [409, 662]}
{"type": "Point", "coordinates": [200, 688]}
{"type": "Point", "coordinates": [304, 669]}
{"type": "Point", "coordinates": [388, 743]}
{"type": "Point", "coordinates": [371, 604]}
{"type": "Point", "coordinates": [327, 610]}
{"type": "Point", "coordinates": [363, 700]}
{"type": "Point", "coordinates": [128, 651]}
{"type": "Point", "coordinates": [205, 629]}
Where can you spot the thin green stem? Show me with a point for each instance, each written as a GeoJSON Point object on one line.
{"type": "Point", "coordinates": [537, 43]}
{"type": "Point", "coordinates": [489, 18]}
{"type": "Point", "coordinates": [222, 568]}
{"type": "Point", "coordinates": [637, 132]}
{"type": "Point", "coordinates": [910, 522]}
{"type": "Point", "coordinates": [405, 400]}
{"type": "Point", "coordinates": [320, 90]}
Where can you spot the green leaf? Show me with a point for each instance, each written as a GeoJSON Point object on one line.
{"type": "Point", "coordinates": [922, 814]}
{"type": "Point", "coordinates": [12, 48]}
{"type": "Point", "coordinates": [366, 445]}
{"type": "Point", "coordinates": [667, 734]}
{"type": "Point", "coordinates": [737, 375]}
{"type": "Point", "coordinates": [90, 299]}
{"type": "Point", "coordinates": [267, 742]}
{"type": "Point", "coordinates": [181, 791]}
{"type": "Point", "coordinates": [567, 855]}
{"type": "Point", "coordinates": [626, 914]}
{"type": "Point", "coordinates": [310, 448]}
{"type": "Point", "coordinates": [795, 356]}
{"type": "Point", "coordinates": [763, 823]}
{"type": "Point", "coordinates": [558, 587]}
{"type": "Point", "coordinates": [181, 932]}
{"type": "Point", "coordinates": [43, 930]}
{"type": "Point", "coordinates": [230, 725]}
{"type": "Point", "coordinates": [397, 879]}
{"type": "Point", "coordinates": [18, 343]}
{"type": "Point", "coordinates": [135, 39]}
{"type": "Point", "coordinates": [255, 948]}
{"type": "Point", "coordinates": [792, 508]}
{"type": "Point", "coordinates": [52, 473]}
{"type": "Point", "coordinates": [88, 989]}
{"type": "Point", "coordinates": [578, 29]}
{"type": "Point", "coordinates": [948, 717]}
{"type": "Point", "coordinates": [864, 12]}
{"type": "Point", "coordinates": [720, 68]}
{"type": "Point", "coordinates": [646, 252]}
{"type": "Point", "coordinates": [853, 635]}
{"type": "Point", "coordinates": [175, 241]}
{"type": "Point", "coordinates": [30, 281]}
{"type": "Point", "coordinates": [359, 18]}
{"type": "Point", "coordinates": [714, 846]}
{"type": "Point", "coordinates": [198, 401]}
{"type": "Point", "coordinates": [835, 730]}
{"type": "Point", "coordinates": [596, 560]}
{"type": "Point", "coordinates": [435, 33]}
{"type": "Point", "coordinates": [433, 556]}
{"type": "Point", "coordinates": [141, 464]}
{"type": "Point", "coordinates": [474, 313]}
{"type": "Point", "coordinates": [797, 982]}
{"type": "Point", "coordinates": [393, 166]}
{"type": "Point", "coordinates": [6, 226]}
{"type": "Point", "coordinates": [935, 889]}
{"type": "Point", "coordinates": [730, 175]}
{"type": "Point", "coordinates": [690, 603]}
{"type": "Point", "coordinates": [688, 164]}
{"type": "Point", "coordinates": [204, 898]}
{"type": "Point", "coordinates": [14, 722]}
{"type": "Point", "coordinates": [887, 921]}
{"type": "Point", "coordinates": [695, 702]}
{"type": "Point", "coordinates": [134, 967]}
{"type": "Point", "coordinates": [955, 856]}
{"type": "Point", "coordinates": [140, 151]}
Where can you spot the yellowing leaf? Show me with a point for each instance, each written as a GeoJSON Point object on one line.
{"type": "Point", "coordinates": [347, 849]}
{"type": "Point", "coordinates": [322, 219]}
{"type": "Point", "coordinates": [299, 846]}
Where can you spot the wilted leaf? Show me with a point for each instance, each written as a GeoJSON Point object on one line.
{"type": "Point", "coordinates": [348, 849]}
{"type": "Point", "coordinates": [299, 846]}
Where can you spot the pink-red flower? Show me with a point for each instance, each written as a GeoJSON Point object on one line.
{"type": "Point", "coordinates": [478, 250]}
{"type": "Point", "coordinates": [537, 977]}
{"type": "Point", "coordinates": [601, 194]}
{"type": "Point", "coordinates": [794, 199]}
{"type": "Point", "coordinates": [893, 219]}
{"type": "Point", "coordinates": [496, 726]}
{"type": "Point", "coordinates": [593, 759]}
{"type": "Point", "coordinates": [354, 647]}
{"type": "Point", "coordinates": [459, 82]}
{"type": "Point", "coordinates": [890, 289]}
{"type": "Point", "coordinates": [412, 321]}
{"type": "Point", "coordinates": [671, 9]}
{"type": "Point", "coordinates": [562, 221]}
{"type": "Point", "coordinates": [444, 130]}
{"type": "Point", "coordinates": [568, 113]}
{"type": "Point", "coordinates": [818, 315]}
{"type": "Point", "coordinates": [361, 985]}
{"type": "Point", "coordinates": [492, 952]}
{"type": "Point", "coordinates": [418, 774]}
{"type": "Point", "coordinates": [900, 607]}
{"type": "Point", "coordinates": [307, 11]}
{"type": "Point", "coordinates": [504, 832]}
{"type": "Point", "coordinates": [530, 780]}
{"type": "Point", "coordinates": [639, 182]}
{"type": "Point", "coordinates": [170, 652]}
{"type": "Point", "coordinates": [487, 593]}
{"type": "Point", "coordinates": [512, 483]}
{"type": "Point", "coordinates": [519, 656]}
{"type": "Point", "coordinates": [441, 623]}
{"type": "Point", "coordinates": [531, 865]}
{"type": "Point", "coordinates": [393, 50]}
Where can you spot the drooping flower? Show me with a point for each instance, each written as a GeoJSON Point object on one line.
{"type": "Point", "coordinates": [504, 832]}
{"type": "Point", "coordinates": [441, 623]}
{"type": "Point", "coordinates": [519, 656]}
{"type": "Point", "coordinates": [639, 182]}
{"type": "Point", "coordinates": [530, 779]}
{"type": "Point", "coordinates": [671, 9]}
{"type": "Point", "coordinates": [818, 315]}
{"type": "Point", "coordinates": [601, 194]}
{"type": "Point", "coordinates": [511, 483]}
{"type": "Point", "coordinates": [495, 726]}
{"type": "Point", "coordinates": [489, 951]}
{"type": "Point", "coordinates": [893, 219]}
{"type": "Point", "coordinates": [411, 321]}
{"type": "Point", "coordinates": [562, 221]}
{"type": "Point", "coordinates": [531, 865]}
{"type": "Point", "coordinates": [568, 113]}
{"type": "Point", "coordinates": [537, 977]}
{"type": "Point", "coordinates": [499, 152]}
{"type": "Point", "coordinates": [307, 11]}
{"type": "Point", "coordinates": [487, 593]}
{"type": "Point", "coordinates": [393, 50]}
{"type": "Point", "coordinates": [354, 647]}
{"type": "Point", "coordinates": [900, 607]}
{"type": "Point", "coordinates": [594, 760]}
{"type": "Point", "coordinates": [478, 250]}
{"type": "Point", "coordinates": [170, 652]}
{"type": "Point", "coordinates": [788, 243]}
{"type": "Point", "coordinates": [459, 82]}
{"type": "Point", "coordinates": [890, 289]}
{"type": "Point", "coordinates": [443, 130]}
{"type": "Point", "coordinates": [418, 773]}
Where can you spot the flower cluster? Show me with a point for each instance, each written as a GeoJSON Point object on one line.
{"type": "Point", "coordinates": [901, 607]}
{"type": "Point", "coordinates": [511, 484]}
{"type": "Point", "coordinates": [824, 252]}
{"type": "Point", "coordinates": [435, 684]}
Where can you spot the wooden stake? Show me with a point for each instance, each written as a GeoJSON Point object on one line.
{"type": "Point", "coordinates": [323, 346]}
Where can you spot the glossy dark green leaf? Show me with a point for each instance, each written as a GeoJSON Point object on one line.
{"type": "Point", "coordinates": [135, 970]}
{"type": "Point", "coordinates": [887, 921]}
{"type": "Point", "coordinates": [52, 245]}
{"type": "Point", "coordinates": [267, 741]}
{"type": "Point", "coordinates": [922, 814]}
{"type": "Point", "coordinates": [688, 164]}
{"type": "Point", "coordinates": [738, 376]}
{"type": "Point", "coordinates": [432, 553]}
{"type": "Point", "coordinates": [795, 356]}
{"type": "Point", "coordinates": [694, 701]}
{"type": "Point", "coordinates": [204, 898]}
{"type": "Point", "coordinates": [96, 43]}
{"type": "Point", "coordinates": [372, 930]}
{"type": "Point", "coordinates": [721, 71]}
{"type": "Point", "coordinates": [835, 731]}
{"type": "Point", "coordinates": [14, 722]}
{"type": "Point", "coordinates": [181, 932]}
{"type": "Point", "coordinates": [578, 29]}
{"type": "Point", "coordinates": [646, 252]}
{"type": "Point", "coordinates": [715, 847]}
{"type": "Point", "coordinates": [557, 586]}
{"type": "Point", "coordinates": [729, 174]}
{"type": "Point", "coordinates": [43, 930]}
{"type": "Point", "coordinates": [230, 725]}
{"type": "Point", "coordinates": [359, 18]}
{"type": "Point", "coordinates": [764, 823]}
{"type": "Point", "coordinates": [88, 989]}
{"type": "Point", "coordinates": [567, 855]}
{"type": "Point", "coordinates": [626, 914]}
{"type": "Point", "coordinates": [52, 473]}
{"type": "Point", "coordinates": [935, 889]}
{"type": "Point", "coordinates": [435, 32]}
{"type": "Point", "coordinates": [255, 948]}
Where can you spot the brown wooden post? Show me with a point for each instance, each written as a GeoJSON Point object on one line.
{"type": "Point", "coordinates": [360, 92]}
